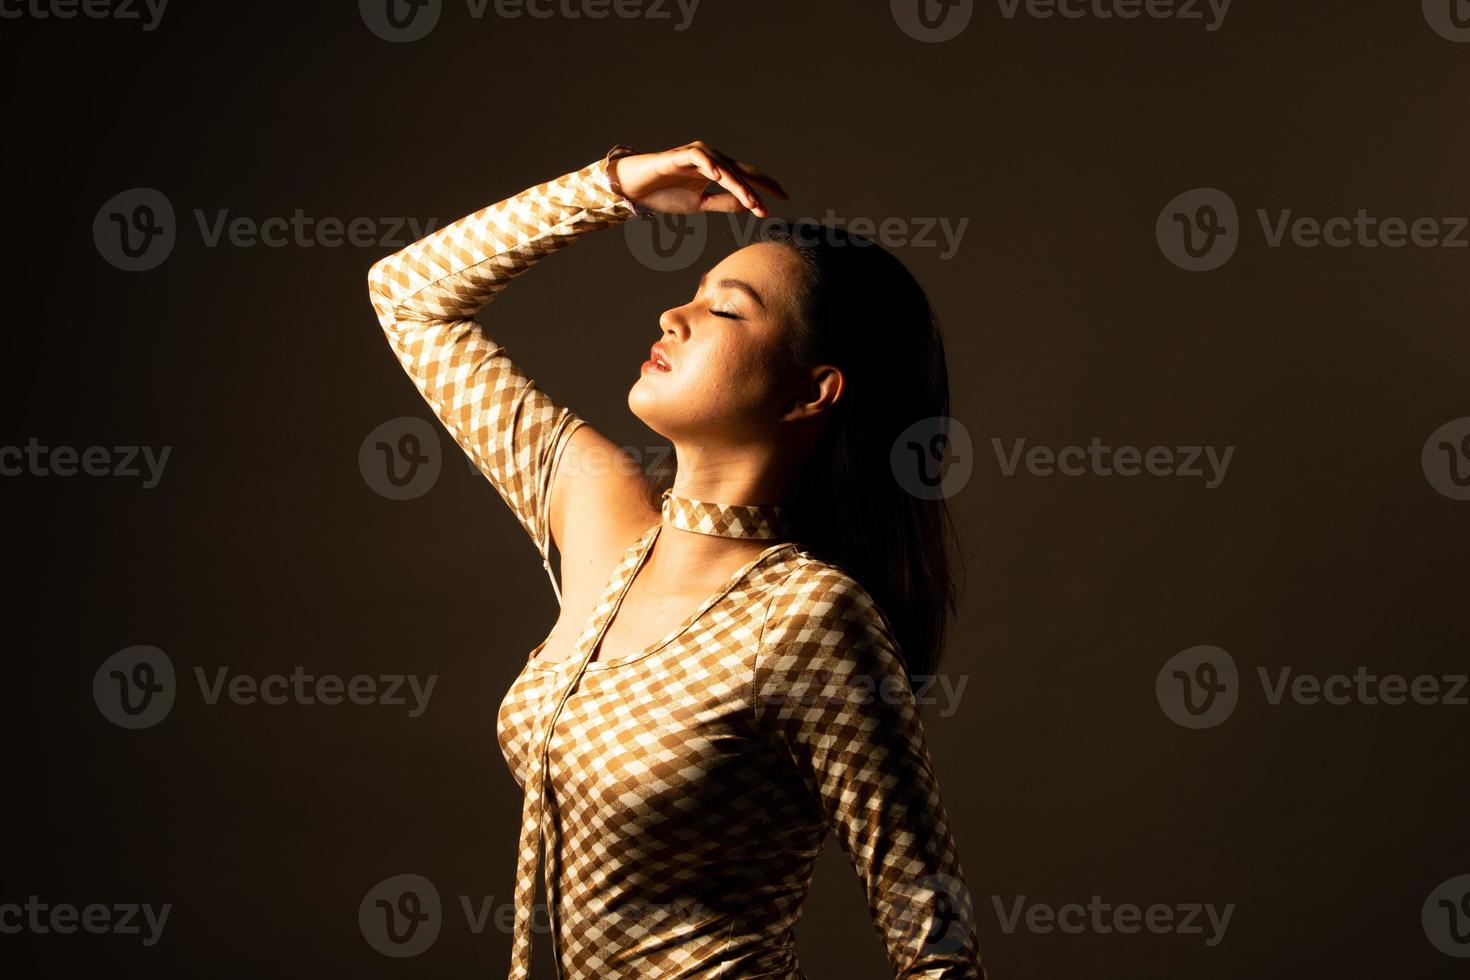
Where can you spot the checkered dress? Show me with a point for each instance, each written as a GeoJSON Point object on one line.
{"type": "Point", "coordinates": [683, 793]}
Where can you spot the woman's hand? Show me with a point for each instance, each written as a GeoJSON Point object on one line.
{"type": "Point", "coordinates": [674, 181]}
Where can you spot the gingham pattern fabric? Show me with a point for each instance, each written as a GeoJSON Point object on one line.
{"type": "Point", "coordinates": [682, 793]}
{"type": "Point", "coordinates": [759, 521]}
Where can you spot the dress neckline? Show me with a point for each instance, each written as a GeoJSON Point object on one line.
{"type": "Point", "coordinates": [611, 600]}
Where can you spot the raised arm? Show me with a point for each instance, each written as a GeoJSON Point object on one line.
{"type": "Point", "coordinates": [830, 686]}
{"type": "Point", "coordinates": [426, 296]}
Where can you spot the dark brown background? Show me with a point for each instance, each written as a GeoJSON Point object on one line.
{"type": "Point", "coordinates": [263, 547]}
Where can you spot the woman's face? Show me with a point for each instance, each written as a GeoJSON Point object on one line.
{"type": "Point", "coordinates": [725, 381]}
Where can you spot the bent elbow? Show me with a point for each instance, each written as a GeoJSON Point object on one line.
{"type": "Point", "coordinates": [381, 295]}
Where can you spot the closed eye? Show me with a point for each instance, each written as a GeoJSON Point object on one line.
{"type": "Point", "coordinates": [723, 313]}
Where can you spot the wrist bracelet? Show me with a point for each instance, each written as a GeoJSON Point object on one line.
{"type": "Point", "coordinates": [622, 150]}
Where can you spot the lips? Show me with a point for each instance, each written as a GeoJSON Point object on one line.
{"type": "Point", "coordinates": [660, 358]}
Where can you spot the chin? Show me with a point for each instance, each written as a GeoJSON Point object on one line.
{"type": "Point", "coordinates": [664, 412]}
{"type": "Point", "coordinates": [645, 405]}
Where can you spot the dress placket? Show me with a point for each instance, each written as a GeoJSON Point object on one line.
{"type": "Point", "coordinates": [533, 831]}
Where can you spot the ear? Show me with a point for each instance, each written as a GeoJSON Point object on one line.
{"type": "Point", "coordinates": [817, 393]}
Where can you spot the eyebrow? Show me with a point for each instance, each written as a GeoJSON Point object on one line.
{"type": "Point", "coordinates": [735, 284]}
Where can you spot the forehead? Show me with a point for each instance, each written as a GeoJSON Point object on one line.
{"type": "Point", "coordinates": [768, 258]}
{"type": "Point", "coordinates": [773, 270]}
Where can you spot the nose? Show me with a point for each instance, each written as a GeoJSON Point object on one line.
{"type": "Point", "coordinates": [673, 324]}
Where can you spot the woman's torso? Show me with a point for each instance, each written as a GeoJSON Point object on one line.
{"type": "Point", "coordinates": [684, 840]}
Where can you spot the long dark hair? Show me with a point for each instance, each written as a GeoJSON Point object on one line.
{"type": "Point", "coordinates": [852, 503]}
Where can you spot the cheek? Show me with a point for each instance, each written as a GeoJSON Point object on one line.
{"type": "Point", "coordinates": [736, 377]}
{"type": "Point", "coordinates": [737, 369]}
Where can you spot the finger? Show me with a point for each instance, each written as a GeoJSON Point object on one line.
{"type": "Point", "coordinates": [732, 166]}
{"type": "Point", "coordinates": [728, 176]}
{"type": "Point", "coordinates": [747, 174]}
{"type": "Point", "coordinates": [732, 180]}
{"type": "Point", "coordinates": [698, 161]}
{"type": "Point", "coordinates": [757, 176]}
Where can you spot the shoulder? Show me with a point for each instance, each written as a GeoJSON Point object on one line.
{"type": "Point", "coordinates": [826, 654]}
{"type": "Point", "coordinates": [818, 610]}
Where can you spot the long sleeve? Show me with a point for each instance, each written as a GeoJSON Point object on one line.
{"type": "Point", "coordinates": [831, 691]}
{"type": "Point", "coordinates": [426, 297]}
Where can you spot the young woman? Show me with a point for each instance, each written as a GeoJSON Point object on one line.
{"type": "Point", "coordinates": [733, 670]}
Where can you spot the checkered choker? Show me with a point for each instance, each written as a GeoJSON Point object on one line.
{"type": "Point", "coordinates": [761, 521]}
